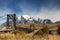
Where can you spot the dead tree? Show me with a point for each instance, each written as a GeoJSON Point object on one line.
{"type": "Point", "coordinates": [13, 18]}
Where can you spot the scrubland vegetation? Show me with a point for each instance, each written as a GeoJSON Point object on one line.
{"type": "Point", "coordinates": [36, 35]}
{"type": "Point", "coordinates": [25, 36]}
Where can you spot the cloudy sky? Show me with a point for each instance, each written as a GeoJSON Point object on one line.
{"type": "Point", "coordinates": [44, 9]}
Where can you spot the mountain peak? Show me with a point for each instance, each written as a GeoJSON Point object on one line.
{"type": "Point", "coordinates": [26, 16]}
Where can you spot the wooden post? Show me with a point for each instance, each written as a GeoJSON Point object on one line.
{"type": "Point", "coordinates": [14, 21]}
{"type": "Point", "coordinates": [8, 21]}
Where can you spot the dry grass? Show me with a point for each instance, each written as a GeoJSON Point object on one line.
{"type": "Point", "coordinates": [26, 36]}
{"type": "Point", "coordinates": [21, 35]}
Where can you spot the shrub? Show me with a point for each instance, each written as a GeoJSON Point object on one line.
{"type": "Point", "coordinates": [44, 31]}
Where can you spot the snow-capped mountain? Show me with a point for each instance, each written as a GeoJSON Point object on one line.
{"type": "Point", "coordinates": [27, 19]}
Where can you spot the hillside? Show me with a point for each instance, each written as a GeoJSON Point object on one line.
{"type": "Point", "coordinates": [23, 35]}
